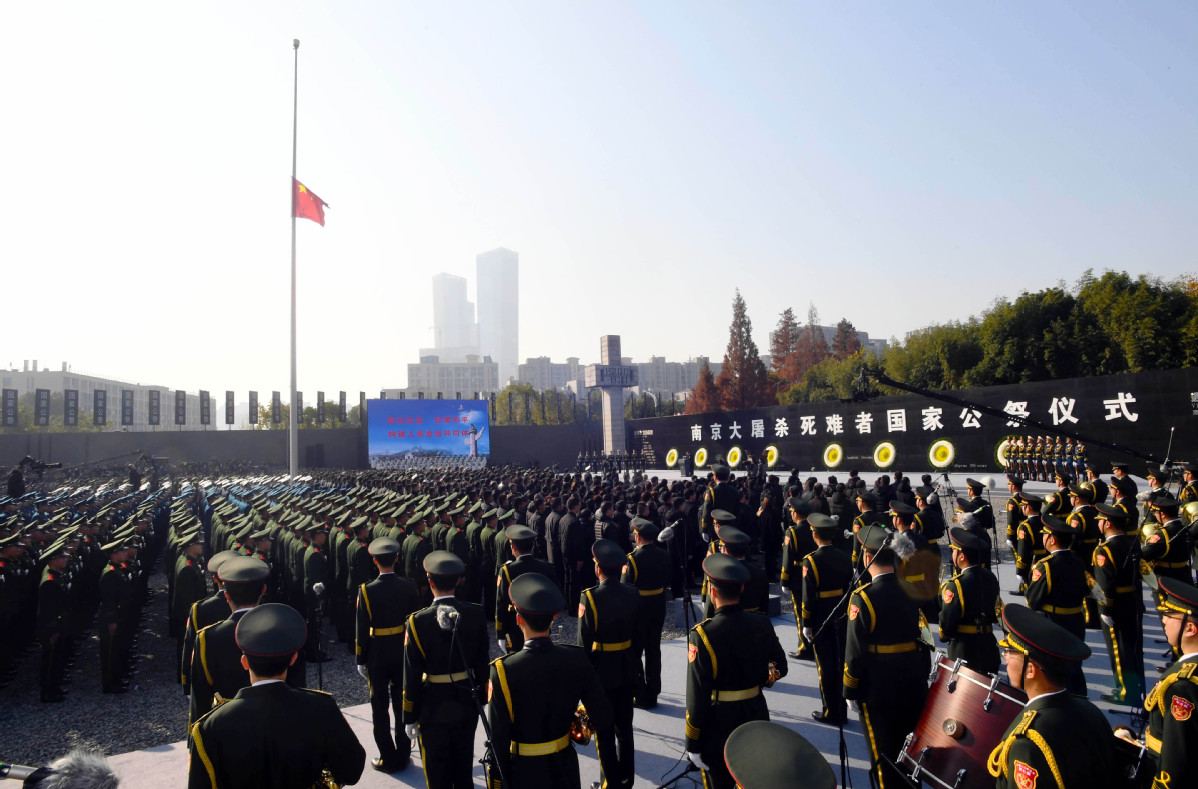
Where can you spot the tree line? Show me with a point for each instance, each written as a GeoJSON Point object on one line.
{"type": "Point", "coordinates": [1101, 325]}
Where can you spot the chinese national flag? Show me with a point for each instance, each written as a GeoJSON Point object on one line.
{"type": "Point", "coordinates": [307, 204]}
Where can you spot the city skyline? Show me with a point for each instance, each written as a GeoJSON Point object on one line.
{"type": "Point", "coordinates": [895, 168]}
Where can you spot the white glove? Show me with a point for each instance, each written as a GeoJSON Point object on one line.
{"type": "Point", "coordinates": [697, 760]}
{"type": "Point", "coordinates": [318, 588]}
{"type": "Point", "coordinates": [412, 730]}
{"type": "Point", "coordinates": [362, 671]}
{"type": "Point", "coordinates": [808, 633]}
{"type": "Point", "coordinates": [706, 538]}
{"type": "Point", "coordinates": [1011, 545]}
{"type": "Point", "coordinates": [502, 645]}
{"type": "Point", "coordinates": [1108, 620]}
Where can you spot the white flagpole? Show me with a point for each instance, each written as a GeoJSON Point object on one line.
{"type": "Point", "coordinates": [293, 422]}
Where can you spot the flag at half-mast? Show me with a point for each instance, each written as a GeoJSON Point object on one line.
{"type": "Point", "coordinates": [307, 204]}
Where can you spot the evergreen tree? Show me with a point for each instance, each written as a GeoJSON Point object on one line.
{"type": "Point", "coordinates": [812, 347]}
{"type": "Point", "coordinates": [705, 397]}
{"type": "Point", "coordinates": [845, 343]}
{"type": "Point", "coordinates": [782, 347]}
{"type": "Point", "coordinates": [743, 381]}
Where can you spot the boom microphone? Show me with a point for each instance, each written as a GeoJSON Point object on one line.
{"type": "Point", "coordinates": [446, 617]}
{"type": "Point", "coordinates": [79, 769]}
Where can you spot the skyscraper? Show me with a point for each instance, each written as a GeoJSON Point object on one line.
{"type": "Point", "coordinates": [453, 315]}
{"type": "Point", "coordinates": [499, 309]}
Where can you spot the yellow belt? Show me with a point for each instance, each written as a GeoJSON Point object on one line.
{"type": "Point", "coordinates": [599, 646]}
{"type": "Point", "coordinates": [387, 631]}
{"type": "Point", "coordinates": [736, 695]}
{"type": "Point", "coordinates": [1171, 565]}
{"type": "Point", "coordinates": [651, 592]}
{"type": "Point", "coordinates": [831, 593]}
{"type": "Point", "coordinates": [541, 748]}
{"type": "Point", "coordinates": [975, 628]}
{"type": "Point", "coordinates": [444, 679]}
{"type": "Point", "coordinates": [893, 649]}
{"type": "Point", "coordinates": [911, 579]}
{"type": "Point", "coordinates": [1056, 609]}
{"type": "Point", "coordinates": [1153, 743]}
{"type": "Point", "coordinates": [1124, 589]}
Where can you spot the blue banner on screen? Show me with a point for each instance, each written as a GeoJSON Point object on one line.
{"type": "Point", "coordinates": [418, 433]}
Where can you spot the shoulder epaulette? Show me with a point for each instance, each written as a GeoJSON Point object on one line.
{"type": "Point", "coordinates": [1025, 724]}
{"type": "Point", "coordinates": [314, 690]}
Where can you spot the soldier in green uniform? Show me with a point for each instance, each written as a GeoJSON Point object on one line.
{"type": "Point", "coordinates": [415, 548]}
{"type": "Point", "coordinates": [969, 604]}
{"type": "Point", "coordinates": [533, 696]}
{"type": "Point", "coordinates": [116, 595]}
{"type": "Point", "coordinates": [271, 734]}
{"type": "Point", "coordinates": [470, 589]}
{"type": "Point", "coordinates": [445, 663]}
{"type": "Point", "coordinates": [383, 607]}
{"type": "Point", "coordinates": [1167, 551]}
{"type": "Point", "coordinates": [797, 542]}
{"type": "Point", "coordinates": [1058, 586]}
{"type": "Point", "coordinates": [610, 626]}
{"type": "Point", "coordinates": [190, 585]}
{"type": "Point", "coordinates": [824, 578]}
{"type": "Point", "coordinates": [216, 670]}
{"type": "Point", "coordinates": [1060, 739]}
{"type": "Point", "coordinates": [1101, 490]}
{"type": "Point", "coordinates": [1116, 565]}
{"type": "Point", "coordinates": [53, 621]}
{"type": "Point", "coordinates": [649, 569]}
{"type": "Point", "coordinates": [765, 755]}
{"type": "Point", "coordinates": [1084, 518]}
{"type": "Point", "coordinates": [1172, 734]}
{"type": "Point", "coordinates": [730, 658]}
{"type": "Point", "coordinates": [1158, 488]}
{"type": "Point", "coordinates": [317, 580]}
{"type": "Point", "coordinates": [929, 521]}
{"type": "Point", "coordinates": [203, 613]}
{"type": "Point", "coordinates": [1189, 485]}
{"type": "Point", "coordinates": [885, 664]}
{"type": "Point", "coordinates": [522, 539]}
{"type": "Point", "coordinates": [1015, 514]}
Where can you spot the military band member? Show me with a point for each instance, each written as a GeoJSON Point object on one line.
{"type": "Point", "coordinates": [1158, 488]}
{"type": "Point", "coordinates": [797, 542]}
{"type": "Point", "coordinates": [764, 755]}
{"type": "Point", "coordinates": [271, 734]}
{"type": "Point", "coordinates": [445, 656]}
{"type": "Point", "coordinates": [533, 696]}
{"type": "Point", "coordinates": [929, 521]}
{"type": "Point", "coordinates": [969, 605]}
{"type": "Point", "coordinates": [825, 575]}
{"type": "Point", "coordinates": [1060, 740]}
{"type": "Point", "coordinates": [885, 666]}
{"type": "Point", "coordinates": [1167, 551]}
{"type": "Point", "coordinates": [731, 657]}
{"type": "Point", "coordinates": [1084, 517]}
{"type": "Point", "coordinates": [522, 540]}
{"type": "Point", "coordinates": [1172, 734]}
{"type": "Point", "coordinates": [610, 626]}
{"type": "Point", "coordinates": [1015, 514]}
{"type": "Point", "coordinates": [919, 562]}
{"type": "Point", "coordinates": [1189, 484]}
{"type": "Point", "coordinates": [1116, 564]}
{"type": "Point", "coordinates": [1101, 489]}
{"type": "Point", "coordinates": [1058, 586]}
{"type": "Point", "coordinates": [648, 569]}
{"type": "Point", "coordinates": [867, 504]}
{"type": "Point", "coordinates": [383, 607]}
{"type": "Point", "coordinates": [755, 597]}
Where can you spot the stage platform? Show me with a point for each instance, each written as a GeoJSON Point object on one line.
{"type": "Point", "coordinates": [659, 732]}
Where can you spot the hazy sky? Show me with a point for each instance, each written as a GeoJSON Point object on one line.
{"type": "Point", "coordinates": [897, 164]}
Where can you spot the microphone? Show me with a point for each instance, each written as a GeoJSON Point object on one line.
{"type": "Point", "coordinates": [667, 533]}
{"type": "Point", "coordinates": [447, 617]}
{"type": "Point", "coordinates": [79, 769]}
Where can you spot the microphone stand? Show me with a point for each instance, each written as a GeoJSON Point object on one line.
{"type": "Point", "coordinates": [488, 758]}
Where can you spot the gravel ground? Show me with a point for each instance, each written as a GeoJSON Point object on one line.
{"type": "Point", "coordinates": [154, 711]}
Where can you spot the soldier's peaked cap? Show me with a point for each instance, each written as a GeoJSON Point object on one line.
{"type": "Point", "coordinates": [607, 553]}
{"type": "Point", "coordinates": [766, 755]}
{"type": "Point", "coordinates": [963, 539]}
{"type": "Point", "coordinates": [722, 568]}
{"type": "Point", "coordinates": [1058, 526]}
{"type": "Point", "coordinates": [1178, 597]}
{"type": "Point", "coordinates": [821, 522]}
{"type": "Point", "coordinates": [646, 528]}
{"type": "Point", "coordinates": [518, 532]}
{"type": "Point", "coordinates": [273, 630]}
{"type": "Point", "coordinates": [723, 516]}
{"type": "Point", "coordinates": [533, 593]}
{"type": "Point", "coordinates": [383, 546]}
{"type": "Point", "coordinates": [873, 536]}
{"type": "Point", "coordinates": [444, 563]}
{"type": "Point", "coordinates": [1041, 639]}
{"type": "Point", "coordinates": [218, 560]}
{"type": "Point", "coordinates": [733, 536]}
{"type": "Point", "coordinates": [243, 569]}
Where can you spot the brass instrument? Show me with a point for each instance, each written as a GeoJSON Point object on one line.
{"type": "Point", "coordinates": [1146, 532]}
{"type": "Point", "coordinates": [326, 781]}
{"type": "Point", "coordinates": [580, 726]}
{"type": "Point", "coordinates": [775, 675]}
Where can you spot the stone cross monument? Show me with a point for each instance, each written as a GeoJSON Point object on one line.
{"type": "Point", "coordinates": [611, 378]}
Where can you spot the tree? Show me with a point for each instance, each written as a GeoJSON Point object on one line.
{"type": "Point", "coordinates": [264, 422]}
{"type": "Point", "coordinates": [743, 381]}
{"type": "Point", "coordinates": [705, 397]}
{"type": "Point", "coordinates": [845, 343]}
{"type": "Point", "coordinates": [812, 347]}
{"type": "Point", "coordinates": [782, 347]}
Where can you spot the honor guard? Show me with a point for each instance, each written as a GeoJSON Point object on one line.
{"type": "Point", "coordinates": [1029, 546]}
{"type": "Point", "coordinates": [1015, 514]}
{"type": "Point", "coordinates": [765, 755]}
{"type": "Point", "coordinates": [203, 613]}
{"type": "Point", "coordinates": [415, 549]}
{"type": "Point", "coordinates": [969, 605]}
{"type": "Point", "coordinates": [610, 626]}
{"type": "Point", "coordinates": [885, 664]}
{"type": "Point", "coordinates": [1117, 576]}
{"type": "Point", "coordinates": [824, 578]}
{"type": "Point", "coordinates": [534, 694]}
{"type": "Point", "coordinates": [1060, 740]}
{"type": "Point", "coordinates": [1084, 518]}
{"type": "Point", "coordinates": [445, 666]}
{"type": "Point", "coordinates": [1172, 734]}
{"type": "Point", "coordinates": [648, 569]}
{"type": "Point", "coordinates": [271, 734]}
{"type": "Point", "coordinates": [1058, 586]}
{"type": "Point", "coordinates": [731, 657]}
{"type": "Point", "coordinates": [383, 607]}
{"type": "Point", "coordinates": [522, 540]}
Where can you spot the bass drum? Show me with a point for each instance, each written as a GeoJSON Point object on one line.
{"type": "Point", "coordinates": [965, 717]}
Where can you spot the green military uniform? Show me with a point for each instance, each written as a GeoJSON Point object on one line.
{"type": "Point", "coordinates": [53, 624]}
{"type": "Point", "coordinates": [730, 658]}
{"type": "Point", "coordinates": [824, 578]}
{"type": "Point", "coordinates": [649, 570]}
{"type": "Point", "coordinates": [116, 598]}
{"type": "Point", "coordinates": [1172, 734]}
{"type": "Point", "coordinates": [506, 629]}
{"type": "Point", "coordinates": [764, 755]}
{"type": "Point", "coordinates": [1015, 514]}
{"type": "Point", "coordinates": [1116, 565]}
{"type": "Point", "coordinates": [1029, 545]}
{"type": "Point", "coordinates": [796, 544]}
{"type": "Point", "coordinates": [1057, 589]}
{"type": "Point", "coordinates": [272, 734]}
{"type": "Point", "coordinates": [1060, 740]}
{"type": "Point", "coordinates": [969, 605]}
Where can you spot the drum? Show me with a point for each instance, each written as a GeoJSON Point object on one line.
{"type": "Point", "coordinates": [1134, 764]}
{"type": "Point", "coordinates": [965, 717]}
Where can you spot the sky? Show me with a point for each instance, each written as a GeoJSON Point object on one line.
{"type": "Point", "coordinates": [896, 164]}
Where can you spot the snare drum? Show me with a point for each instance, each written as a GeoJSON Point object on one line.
{"type": "Point", "coordinates": [965, 717]}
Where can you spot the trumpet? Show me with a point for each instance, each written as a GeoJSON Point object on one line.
{"type": "Point", "coordinates": [580, 726]}
{"type": "Point", "coordinates": [775, 675]}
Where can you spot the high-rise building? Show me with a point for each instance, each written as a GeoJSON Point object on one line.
{"type": "Point", "coordinates": [498, 300]}
{"type": "Point", "coordinates": [453, 315]}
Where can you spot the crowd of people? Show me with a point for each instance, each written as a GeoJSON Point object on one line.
{"type": "Point", "coordinates": [420, 574]}
{"type": "Point", "coordinates": [429, 463]}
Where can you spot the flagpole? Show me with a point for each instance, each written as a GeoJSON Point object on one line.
{"type": "Point", "coordinates": [293, 422]}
